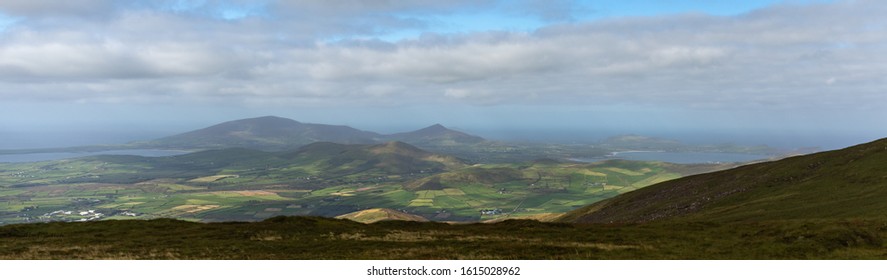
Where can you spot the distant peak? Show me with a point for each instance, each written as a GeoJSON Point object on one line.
{"type": "Point", "coordinates": [436, 133]}
{"type": "Point", "coordinates": [276, 118]}
{"type": "Point", "coordinates": [435, 127]}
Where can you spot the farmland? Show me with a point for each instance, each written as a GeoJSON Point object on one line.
{"type": "Point", "coordinates": [249, 185]}
{"type": "Point", "coordinates": [822, 206]}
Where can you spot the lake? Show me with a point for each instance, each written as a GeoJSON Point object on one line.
{"type": "Point", "coordinates": [680, 157]}
{"type": "Point", "coordinates": [56, 156]}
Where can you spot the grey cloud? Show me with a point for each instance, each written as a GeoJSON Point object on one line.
{"type": "Point", "coordinates": [549, 10]}
{"type": "Point", "coordinates": [363, 8]}
{"type": "Point", "coordinates": [40, 8]}
{"type": "Point", "coordinates": [788, 56]}
{"type": "Point", "coordinates": [355, 17]}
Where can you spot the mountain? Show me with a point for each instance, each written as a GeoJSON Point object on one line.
{"type": "Point", "coordinates": [435, 135]}
{"type": "Point", "coordinates": [380, 214]}
{"type": "Point", "coordinates": [391, 157]}
{"type": "Point", "coordinates": [264, 133]}
{"type": "Point", "coordinates": [322, 160]}
{"type": "Point", "coordinates": [278, 134]}
{"type": "Point", "coordinates": [846, 183]}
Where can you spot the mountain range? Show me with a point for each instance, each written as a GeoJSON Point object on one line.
{"type": "Point", "coordinates": [278, 134]}
{"type": "Point", "coordinates": [823, 205]}
{"type": "Point", "coordinates": [319, 159]}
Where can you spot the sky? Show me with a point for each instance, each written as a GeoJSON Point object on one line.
{"type": "Point", "coordinates": [782, 73]}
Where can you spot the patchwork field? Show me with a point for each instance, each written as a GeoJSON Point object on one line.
{"type": "Point", "coordinates": [328, 180]}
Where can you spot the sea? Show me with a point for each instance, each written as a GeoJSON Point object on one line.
{"type": "Point", "coordinates": [680, 157]}
{"type": "Point", "coordinates": [35, 157]}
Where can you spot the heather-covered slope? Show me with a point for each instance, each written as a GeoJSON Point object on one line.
{"type": "Point", "coordinates": [847, 183]}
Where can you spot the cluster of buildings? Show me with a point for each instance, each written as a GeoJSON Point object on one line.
{"type": "Point", "coordinates": [82, 216]}
{"type": "Point", "coordinates": [68, 215]}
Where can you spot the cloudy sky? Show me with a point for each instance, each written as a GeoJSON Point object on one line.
{"type": "Point", "coordinates": [795, 73]}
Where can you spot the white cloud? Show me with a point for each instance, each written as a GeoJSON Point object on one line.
{"type": "Point", "coordinates": [457, 93]}
{"type": "Point", "coordinates": [39, 8]}
{"type": "Point", "coordinates": [776, 57]}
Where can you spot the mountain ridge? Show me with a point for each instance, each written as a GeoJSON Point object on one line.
{"type": "Point", "coordinates": [392, 157]}
{"type": "Point", "coordinates": [437, 135]}
{"type": "Point", "coordinates": [265, 133]}
{"type": "Point", "coordinates": [271, 133]}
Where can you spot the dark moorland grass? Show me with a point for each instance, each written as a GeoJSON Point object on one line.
{"type": "Point", "coordinates": [850, 183]}
{"type": "Point", "coordinates": [325, 238]}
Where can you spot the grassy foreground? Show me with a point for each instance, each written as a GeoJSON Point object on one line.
{"type": "Point", "coordinates": [325, 238]}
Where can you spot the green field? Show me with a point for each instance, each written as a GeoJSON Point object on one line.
{"type": "Point", "coordinates": [327, 180]}
{"type": "Point", "coordinates": [827, 205]}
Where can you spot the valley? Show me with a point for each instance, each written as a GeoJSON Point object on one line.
{"type": "Point", "coordinates": [396, 200]}
{"type": "Point", "coordinates": [322, 179]}
{"type": "Point", "coordinates": [253, 169]}
{"type": "Point", "coordinates": [443, 130]}
{"type": "Point", "coordinates": [822, 206]}
{"type": "Point", "coordinates": [275, 134]}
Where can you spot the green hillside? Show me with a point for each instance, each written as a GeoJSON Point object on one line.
{"type": "Point", "coordinates": [228, 184]}
{"type": "Point", "coordinates": [846, 183]}
{"type": "Point", "coordinates": [531, 190]}
{"type": "Point", "coordinates": [333, 160]}
{"type": "Point", "coordinates": [320, 179]}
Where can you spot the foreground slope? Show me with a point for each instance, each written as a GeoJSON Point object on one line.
{"type": "Point", "coordinates": [326, 238]}
{"type": "Point", "coordinates": [847, 183]}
